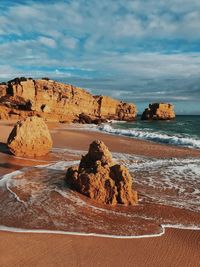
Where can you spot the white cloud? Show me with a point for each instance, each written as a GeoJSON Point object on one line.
{"type": "Point", "coordinates": [47, 41]}
{"type": "Point", "coordinates": [158, 65]}
{"type": "Point", "coordinates": [103, 36]}
{"type": "Point", "coordinates": [104, 24]}
{"type": "Point", "coordinates": [70, 42]}
{"type": "Point", "coordinates": [129, 26]}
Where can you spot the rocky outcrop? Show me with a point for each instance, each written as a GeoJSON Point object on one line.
{"type": "Point", "coordinates": [56, 101]}
{"type": "Point", "coordinates": [30, 137]}
{"type": "Point", "coordinates": [85, 119]}
{"type": "Point", "coordinates": [3, 88]}
{"type": "Point", "coordinates": [159, 111]}
{"type": "Point", "coordinates": [99, 178]}
{"type": "Point", "coordinates": [113, 109]}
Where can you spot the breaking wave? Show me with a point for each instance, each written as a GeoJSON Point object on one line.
{"type": "Point", "coordinates": [36, 199]}
{"type": "Point", "coordinates": [153, 136]}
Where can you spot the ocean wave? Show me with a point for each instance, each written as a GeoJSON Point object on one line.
{"type": "Point", "coordinates": [153, 136]}
{"type": "Point", "coordinates": [41, 193]}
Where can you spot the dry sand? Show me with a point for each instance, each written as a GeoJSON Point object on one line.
{"type": "Point", "coordinates": [175, 248]}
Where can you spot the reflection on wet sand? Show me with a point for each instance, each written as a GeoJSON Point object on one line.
{"type": "Point", "coordinates": [38, 198]}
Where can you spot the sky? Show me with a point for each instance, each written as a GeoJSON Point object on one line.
{"type": "Point", "coordinates": [140, 51]}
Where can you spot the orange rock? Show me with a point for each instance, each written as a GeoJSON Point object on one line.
{"type": "Point", "coordinates": [114, 109]}
{"type": "Point", "coordinates": [123, 181]}
{"type": "Point", "coordinates": [30, 137]}
{"type": "Point", "coordinates": [24, 89]}
{"type": "Point", "coordinates": [98, 151]}
{"type": "Point", "coordinates": [59, 102]}
{"type": "Point", "coordinates": [84, 118]}
{"type": "Point", "coordinates": [3, 91]}
{"type": "Point", "coordinates": [98, 178]}
{"type": "Point", "coordinates": [159, 111]}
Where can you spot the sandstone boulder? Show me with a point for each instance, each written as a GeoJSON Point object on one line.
{"type": "Point", "coordinates": [99, 178]}
{"type": "Point", "coordinates": [30, 137]}
{"type": "Point", "coordinates": [159, 111]}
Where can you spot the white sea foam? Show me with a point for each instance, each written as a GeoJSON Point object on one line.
{"type": "Point", "coordinates": [69, 151]}
{"type": "Point", "coordinates": [30, 159]}
{"type": "Point", "coordinates": [43, 231]}
{"type": "Point", "coordinates": [5, 178]}
{"type": "Point", "coordinates": [172, 174]}
{"type": "Point", "coordinates": [152, 136]}
{"type": "Point", "coordinates": [60, 165]}
{"type": "Point", "coordinates": [6, 182]}
{"type": "Point", "coordinates": [181, 175]}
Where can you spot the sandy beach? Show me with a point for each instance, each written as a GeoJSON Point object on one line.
{"type": "Point", "coordinates": [177, 247]}
{"type": "Point", "coordinates": [99, 133]}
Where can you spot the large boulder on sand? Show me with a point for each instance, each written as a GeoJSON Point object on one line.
{"type": "Point", "coordinates": [99, 178]}
{"type": "Point", "coordinates": [159, 111]}
{"type": "Point", "coordinates": [30, 137]}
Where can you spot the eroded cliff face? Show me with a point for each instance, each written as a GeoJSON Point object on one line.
{"type": "Point", "coordinates": [56, 101]}
{"type": "Point", "coordinates": [159, 111]}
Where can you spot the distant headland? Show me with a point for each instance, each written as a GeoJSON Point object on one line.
{"type": "Point", "coordinates": [55, 101]}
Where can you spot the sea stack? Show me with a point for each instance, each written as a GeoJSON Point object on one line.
{"type": "Point", "coordinates": [159, 111]}
{"type": "Point", "coordinates": [30, 137]}
{"type": "Point", "coordinates": [100, 179]}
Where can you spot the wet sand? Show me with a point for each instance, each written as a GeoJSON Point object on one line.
{"type": "Point", "coordinates": [70, 136]}
{"type": "Point", "coordinates": [80, 139]}
{"type": "Point", "coordinates": [175, 248]}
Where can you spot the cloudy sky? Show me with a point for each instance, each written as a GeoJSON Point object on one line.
{"type": "Point", "coordinates": [139, 51]}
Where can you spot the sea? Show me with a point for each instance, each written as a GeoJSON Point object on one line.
{"type": "Point", "coordinates": [184, 130]}
{"type": "Point", "coordinates": [37, 199]}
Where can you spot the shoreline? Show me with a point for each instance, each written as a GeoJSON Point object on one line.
{"type": "Point", "coordinates": [57, 232]}
{"type": "Point", "coordinates": [119, 143]}
{"type": "Point", "coordinates": [81, 130]}
{"type": "Point", "coordinates": [52, 248]}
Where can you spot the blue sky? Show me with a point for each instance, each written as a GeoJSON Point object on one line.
{"type": "Point", "coordinates": [139, 51]}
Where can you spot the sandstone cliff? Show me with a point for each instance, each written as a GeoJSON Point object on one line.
{"type": "Point", "coordinates": [99, 178]}
{"type": "Point", "coordinates": [159, 111]}
{"type": "Point", "coordinates": [56, 101]}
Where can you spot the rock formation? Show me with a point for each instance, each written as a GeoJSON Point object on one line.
{"type": "Point", "coordinates": [56, 101]}
{"type": "Point", "coordinates": [84, 118]}
{"type": "Point", "coordinates": [99, 178]}
{"type": "Point", "coordinates": [30, 137]}
{"type": "Point", "coordinates": [159, 111]}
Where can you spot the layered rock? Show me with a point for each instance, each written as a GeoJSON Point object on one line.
{"type": "Point", "coordinates": [99, 178]}
{"type": "Point", "coordinates": [29, 138]}
{"type": "Point", "coordinates": [159, 111]}
{"type": "Point", "coordinates": [57, 101]}
{"type": "Point", "coordinates": [112, 109]}
{"type": "Point", "coordinates": [3, 90]}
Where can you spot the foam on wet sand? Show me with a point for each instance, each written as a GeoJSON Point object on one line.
{"type": "Point", "coordinates": [154, 160]}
